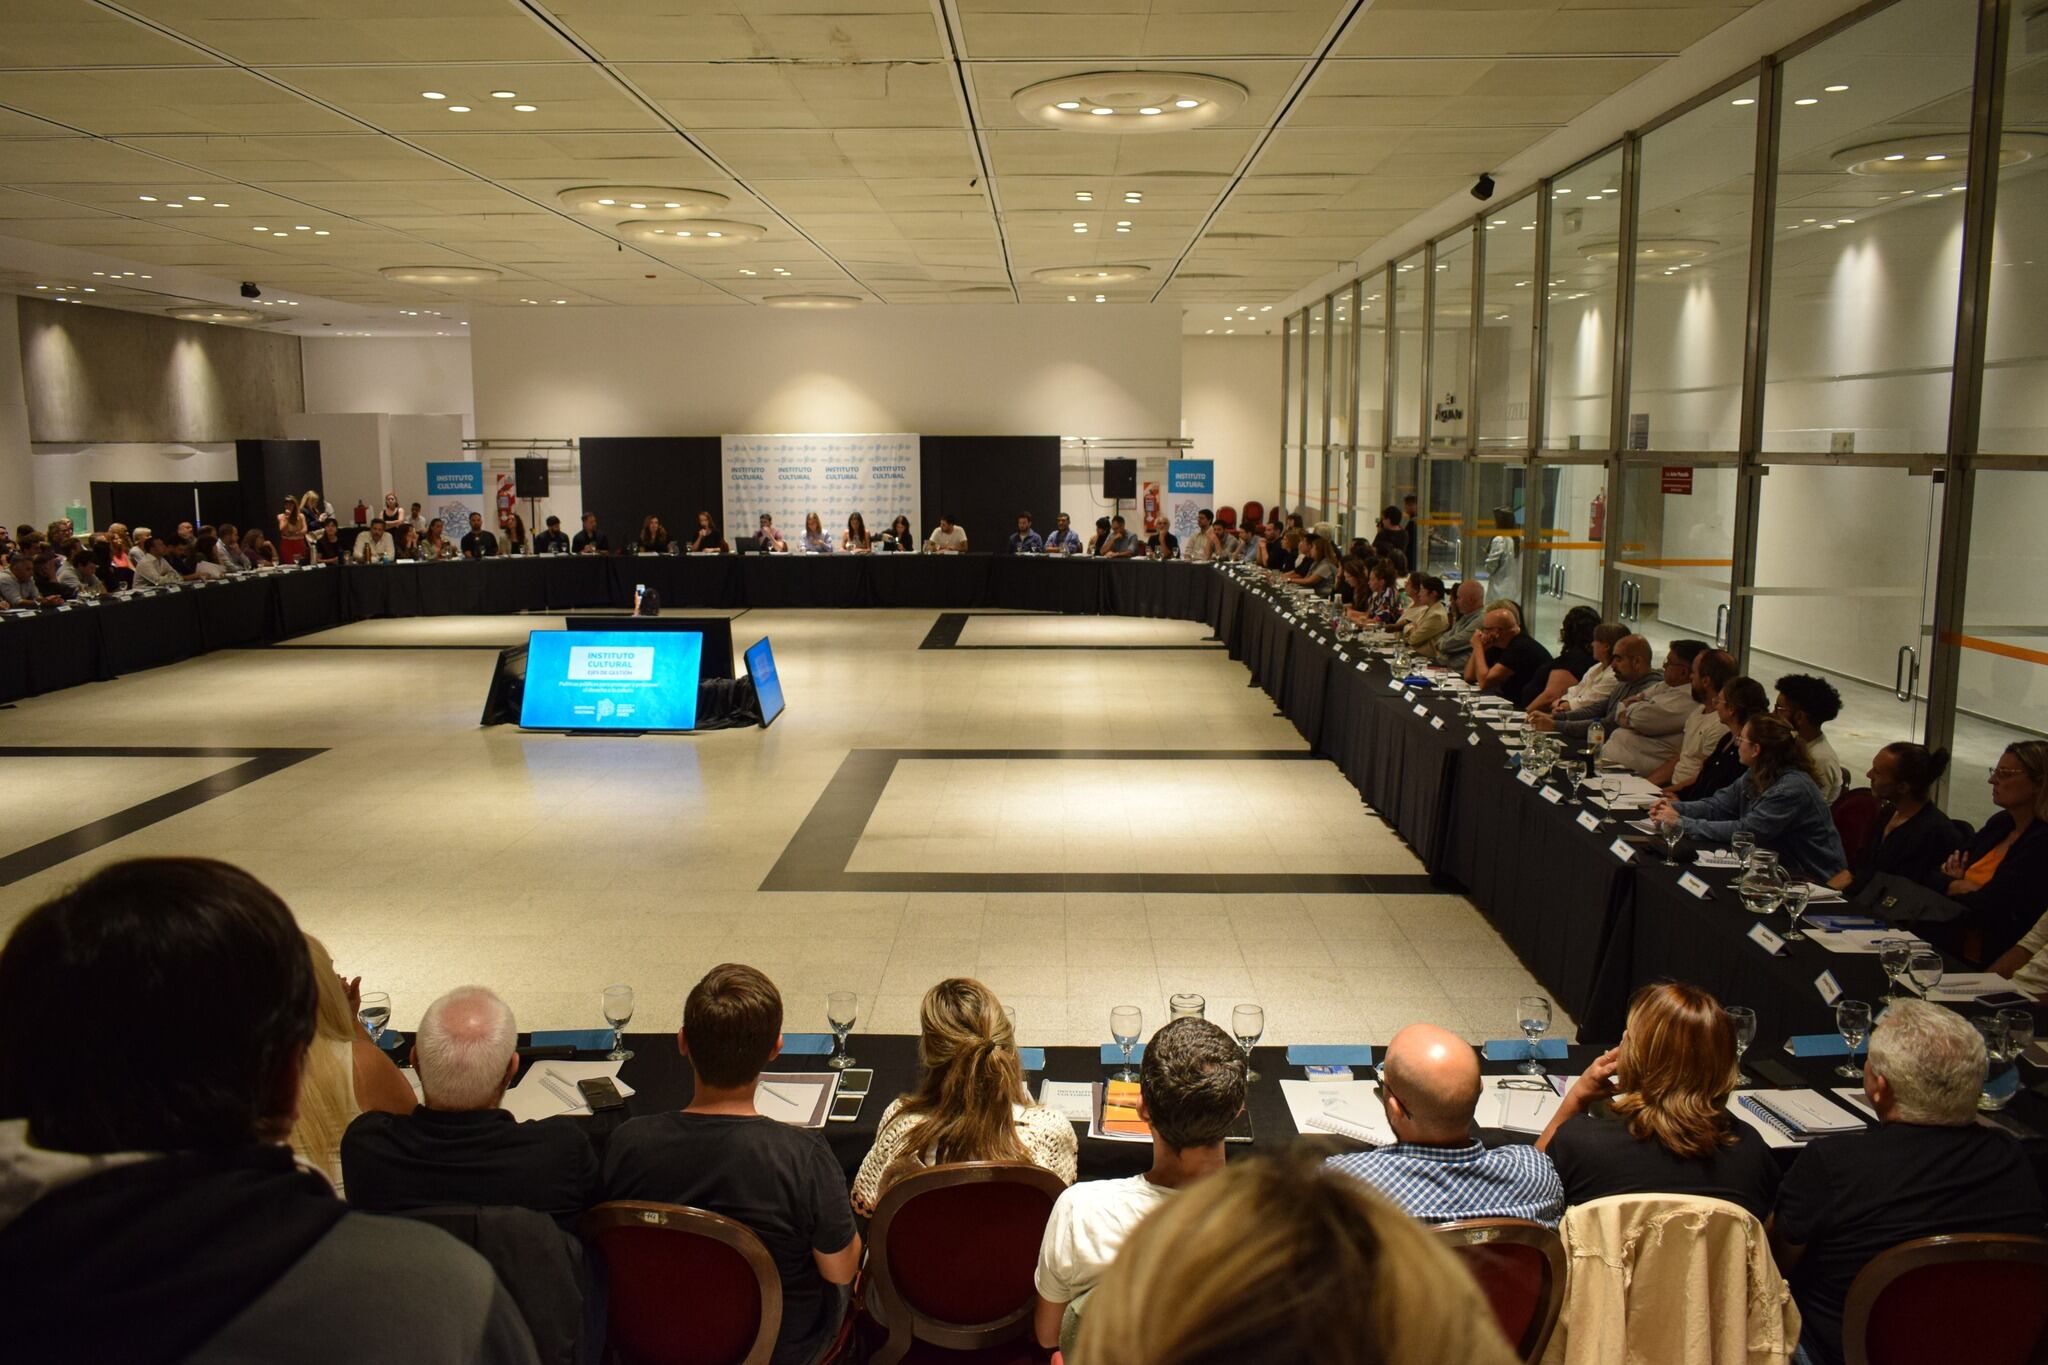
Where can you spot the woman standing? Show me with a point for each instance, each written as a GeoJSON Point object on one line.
{"type": "Point", "coordinates": [291, 533]}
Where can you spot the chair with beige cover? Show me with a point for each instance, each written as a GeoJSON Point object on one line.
{"type": "Point", "coordinates": [1666, 1279]}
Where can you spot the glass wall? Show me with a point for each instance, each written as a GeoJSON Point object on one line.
{"type": "Point", "coordinates": [1873, 154]}
{"type": "Point", "coordinates": [1696, 186]}
{"type": "Point", "coordinates": [2015, 411]}
{"type": "Point", "coordinates": [1370, 349]}
{"type": "Point", "coordinates": [1566, 536]}
{"type": "Point", "coordinates": [1581, 285]}
{"type": "Point", "coordinates": [1496, 528]}
{"type": "Point", "coordinates": [1318, 415]}
{"type": "Point", "coordinates": [1507, 326]}
{"type": "Point", "coordinates": [1440, 541]}
{"type": "Point", "coordinates": [1290, 449]}
{"type": "Point", "coordinates": [1404, 395]}
{"type": "Point", "coordinates": [1450, 342]}
{"type": "Point", "coordinates": [1676, 569]}
{"type": "Point", "coordinates": [2002, 694]}
{"type": "Point", "coordinates": [1343, 372]}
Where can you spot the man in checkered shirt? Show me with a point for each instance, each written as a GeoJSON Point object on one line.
{"type": "Point", "coordinates": [1436, 1171]}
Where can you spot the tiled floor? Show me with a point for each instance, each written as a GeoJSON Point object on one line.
{"type": "Point", "coordinates": [429, 852]}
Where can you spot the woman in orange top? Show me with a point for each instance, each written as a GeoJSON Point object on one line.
{"type": "Point", "coordinates": [2002, 877]}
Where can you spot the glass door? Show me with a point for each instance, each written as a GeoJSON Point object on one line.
{"type": "Point", "coordinates": [1497, 529]}
{"type": "Point", "coordinates": [2002, 671]}
{"type": "Point", "coordinates": [1676, 569]}
{"type": "Point", "coordinates": [1439, 536]}
{"type": "Point", "coordinates": [1567, 535]}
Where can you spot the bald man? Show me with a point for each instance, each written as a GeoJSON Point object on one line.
{"type": "Point", "coordinates": [1506, 660]}
{"type": "Point", "coordinates": [1468, 613]}
{"type": "Point", "coordinates": [1436, 1171]}
{"type": "Point", "coordinates": [1644, 718]}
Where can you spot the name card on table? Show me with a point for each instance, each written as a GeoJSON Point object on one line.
{"type": "Point", "coordinates": [1407, 696]}
{"type": "Point", "coordinates": [1393, 684]}
{"type": "Point", "coordinates": [1436, 722]}
{"type": "Point", "coordinates": [1697, 886]}
{"type": "Point", "coordinates": [1420, 709]}
{"type": "Point", "coordinates": [1829, 988]}
{"type": "Point", "coordinates": [1526, 778]}
{"type": "Point", "coordinates": [1763, 938]}
{"type": "Point", "coordinates": [1343, 656]}
{"type": "Point", "coordinates": [1031, 1058]}
{"type": "Point", "coordinates": [1361, 668]}
{"type": "Point", "coordinates": [1473, 739]}
{"type": "Point", "coordinates": [1588, 821]}
{"type": "Point", "coordinates": [1620, 849]}
{"type": "Point", "coordinates": [1552, 795]}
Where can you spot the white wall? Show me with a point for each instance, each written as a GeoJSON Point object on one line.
{"type": "Point", "coordinates": [1230, 409]}
{"type": "Point", "coordinates": [17, 479]}
{"type": "Point", "coordinates": [354, 457]}
{"type": "Point", "coordinates": [62, 475]}
{"type": "Point", "coordinates": [389, 374]}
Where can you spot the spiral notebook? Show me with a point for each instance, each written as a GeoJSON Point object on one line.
{"type": "Point", "coordinates": [1350, 1109]}
{"type": "Point", "coordinates": [1793, 1117]}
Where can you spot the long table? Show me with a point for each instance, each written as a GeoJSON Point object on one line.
{"type": "Point", "coordinates": [1590, 926]}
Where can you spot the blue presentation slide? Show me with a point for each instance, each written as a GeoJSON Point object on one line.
{"type": "Point", "coordinates": [611, 680]}
{"type": "Point", "coordinates": [767, 682]}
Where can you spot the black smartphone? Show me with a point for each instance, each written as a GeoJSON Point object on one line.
{"type": "Point", "coordinates": [856, 1080]}
{"type": "Point", "coordinates": [600, 1093]}
{"type": "Point", "coordinates": [846, 1108]}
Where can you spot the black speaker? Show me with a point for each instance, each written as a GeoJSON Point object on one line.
{"type": "Point", "coordinates": [1119, 478]}
{"type": "Point", "coordinates": [530, 478]}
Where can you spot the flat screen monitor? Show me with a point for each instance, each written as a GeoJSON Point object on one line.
{"type": "Point", "coordinates": [767, 682]}
{"type": "Point", "coordinates": [611, 680]}
{"type": "Point", "coordinates": [716, 661]}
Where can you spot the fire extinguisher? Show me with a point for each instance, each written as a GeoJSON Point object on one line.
{"type": "Point", "coordinates": [1151, 506]}
{"type": "Point", "coordinates": [362, 513]}
{"type": "Point", "coordinates": [1597, 524]}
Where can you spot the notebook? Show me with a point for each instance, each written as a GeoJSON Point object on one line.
{"type": "Point", "coordinates": [1789, 1118]}
{"type": "Point", "coordinates": [1517, 1108]}
{"type": "Point", "coordinates": [1115, 1114]}
{"type": "Point", "coordinates": [1350, 1109]}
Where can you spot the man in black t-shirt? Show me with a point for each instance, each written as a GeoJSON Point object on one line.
{"type": "Point", "coordinates": [479, 543]}
{"type": "Point", "coordinates": [551, 541]}
{"type": "Point", "coordinates": [719, 1154]}
{"type": "Point", "coordinates": [590, 540]}
{"type": "Point", "coordinates": [1505, 661]}
{"type": "Point", "coordinates": [1928, 1169]}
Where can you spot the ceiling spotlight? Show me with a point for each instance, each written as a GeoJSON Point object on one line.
{"type": "Point", "coordinates": [504, 95]}
{"type": "Point", "coordinates": [1068, 104]}
{"type": "Point", "coordinates": [1808, 100]}
{"type": "Point", "coordinates": [1834, 89]}
{"type": "Point", "coordinates": [1187, 104]}
{"type": "Point", "coordinates": [147, 198]}
{"type": "Point", "coordinates": [1093, 276]}
{"type": "Point", "coordinates": [189, 314]}
{"type": "Point", "coordinates": [196, 198]}
{"type": "Point", "coordinates": [220, 206]}
{"type": "Point", "coordinates": [525, 108]}
{"type": "Point", "coordinates": [1148, 111]}
{"type": "Point", "coordinates": [432, 95]}
{"type": "Point", "coordinates": [322, 232]}
{"type": "Point", "coordinates": [704, 233]}
{"type": "Point", "coordinates": [1745, 100]}
{"type": "Point", "coordinates": [458, 108]}
{"type": "Point", "coordinates": [1102, 111]}
{"type": "Point", "coordinates": [1482, 188]}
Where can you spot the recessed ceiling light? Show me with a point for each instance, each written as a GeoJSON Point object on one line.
{"type": "Point", "coordinates": [1125, 101]}
{"type": "Point", "coordinates": [1187, 104]}
{"type": "Point", "coordinates": [504, 95]}
{"type": "Point", "coordinates": [1148, 111]}
{"type": "Point", "coordinates": [322, 232]}
{"type": "Point", "coordinates": [1125, 228]}
{"type": "Point", "coordinates": [220, 206]}
{"type": "Point", "coordinates": [1101, 110]}
{"type": "Point", "coordinates": [302, 227]}
{"type": "Point", "coordinates": [748, 272]}
{"type": "Point", "coordinates": [438, 274]}
{"type": "Point", "coordinates": [1896, 156]}
{"type": "Point", "coordinates": [259, 229]}
{"type": "Point", "coordinates": [458, 108]}
{"type": "Point", "coordinates": [561, 300]}
{"type": "Point", "coordinates": [1084, 196]}
{"type": "Point", "coordinates": [1744, 100]}
{"type": "Point", "coordinates": [280, 234]}
{"type": "Point", "coordinates": [525, 108]}
{"type": "Point", "coordinates": [1068, 104]}
{"type": "Point", "coordinates": [196, 198]}
{"type": "Point", "coordinates": [1090, 275]}
{"type": "Point", "coordinates": [432, 95]}
{"type": "Point", "coordinates": [147, 198]}
{"type": "Point", "coordinates": [702, 233]}
{"type": "Point", "coordinates": [812, 301]}
{"type": "Point", "coordinates": [1938, 156]}
{"type": "Point", "coordinates": [173, 204]}
{"type": "Point", "coordinates": [642, 201]}
{"type": "Point", "coordinates": [1808, 100]}
{"type": "Point", "coordinates": [1834, 89]}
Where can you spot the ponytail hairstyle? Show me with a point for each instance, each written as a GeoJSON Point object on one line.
{"type": "Point", "coordinates": [1918, 767]}
{"type": "Point", "coordinates": [961, 1109]}
{"type": "Point", "coordinates": [1778, 751]}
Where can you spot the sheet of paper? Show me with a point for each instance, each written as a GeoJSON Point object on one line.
{"type": "Point", "coordinates": [1808, 1103]}
{"type": "Point", "coordinates": [1855, 940]}
{"type": "Point", "coordinates": [1717, 857]}
{"type": "Point", "coordinates": [535, 1098]}
{"type": "Point", "coordinates": [1968, 986]}
{"type": "Point", "coordinates": [790, 1099]}
{"type": "Point", "coordinates": [1515, 1108]}
{"type": "Point", "coordinates": [1356, 1103]}
{"type": "Point", "coordinates": [1074, 1100]}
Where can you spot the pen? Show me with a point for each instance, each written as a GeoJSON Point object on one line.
{"type": "Point", "coordinates": [561, 1091]}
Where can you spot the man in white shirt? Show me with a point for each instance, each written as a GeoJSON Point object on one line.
{"type": "Point", "coordinates": [1712, 669]}
{"type": "Point", "coordinates": [375, 547]}
{"type": "Point", "coordinates": [946, 539]}
{"type": "Point", "coordinates": [151, 568]}
{"type": "Point", "coordinates": [1201, 546]}
{"type": "Point", "coordinates": [1806, 703]}
{"type": "Point", "coordinates": [1191, 1090]}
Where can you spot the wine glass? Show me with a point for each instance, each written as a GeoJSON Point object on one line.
{"type": "Point", "coordinates": [618, 1012]}
{"type": "Point", "coordinates": [1999, 1084]}
{"type": "Point", "coordinates": [1248, 1025]}
{"type": "Point", "coordinates": [842, 1008]}
{"type": "Point", "coordinates": [1610, 792]}
{"type": "Point", "coordinates": [1744, 844]}
{"type": "Point", "coordinates": [1795, 896]}
{"type": "Point", "coordinates": [1534, 1012]}
{"type": "Point", "coordinates": [1571, 772]}
{"type": "Point", "coordinates": [1744, 1019]}
{"type": "Point", "coordinates": [1671, 836]}
{"type": "Point", "coordinates": [375, 1012]}
{"type": "Point", "coordinates": [1852, 1021]}
{"type": "Point", "coordinates": [1923, 969]}
{"type": "Point", "coordinates": [1186, 1005]}
{"type": "Point", "coordinates": [1126, 1024]}
{"type": "Point", "coordinates": [1892, 955]}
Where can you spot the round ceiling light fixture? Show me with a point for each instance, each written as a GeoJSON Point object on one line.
{"type": "Point", "coordinates": [1933, 153]}
{"type": "Point", "coordinates": [641, 201]}
{"type": "Point", "coordinates": [695, 233]}
{"type": "Point", "coordinates": [438, 274]}
{"type": "Point", "coordinates": [1130, 101]}
{"type": "Point", "coordinates": [1091, 276]}
{"type": "Point", "coordinates": [1652, 249]}
{"type": "Point", "coordinates": [819, 302]}
{"type": "Point", "coordinates": [216, 315]}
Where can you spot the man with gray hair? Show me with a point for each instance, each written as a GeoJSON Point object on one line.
{"type": "Point", "coordinates": [460, 1147]}
{"type": "Point", "coordinates": [1927, 1169]}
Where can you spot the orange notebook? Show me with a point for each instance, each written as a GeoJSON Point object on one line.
{"type": "Point", "coordinates": [1117, 1113]}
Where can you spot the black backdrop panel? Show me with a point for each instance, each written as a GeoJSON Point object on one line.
{"type": "Point", "coordinates": [161, 506]}
{"type": "Point", "coordinates": [983, 482]}
{"type": "Point", "coordinates": [628, 478]}
{"type": "Point", "coordinates": [271, 471]}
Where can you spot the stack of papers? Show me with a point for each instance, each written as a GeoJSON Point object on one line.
{"type": "Point", "coordinates": [1967, 986]}
{"type": "Point", "coordinates": [1071, 1100]}
{"type": "Point", "coordinates": [1514, 1107]}
{"type": "Point", "coordinates": [549, 1088]}
{"type": "Point", "coordinates": [1854, 940]}
{"type": "Point", "coordinates": [1717, 857]}
{"type": "Point", "coordinates": [1350, 1109]}
{"type": "Point", "coordinates": [1114, 1114]}
{"type": "Point", "coordinates": [801, 1099]}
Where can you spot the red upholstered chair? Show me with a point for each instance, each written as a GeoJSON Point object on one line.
{"type": "Point", "coordinates": [1252, 512]}
{"type": "Point", "coordinates": [1980, 1297]}
{"type": "Point", "coordinates": [685, 1287]}
{"type": "Point", "coordinates": [1855, 813]}
{"type": "Point", "coordinates": [950, 1259]}
{"type": "Point", "coordinates": [1520, 1267]}
{"type": "Point", "coordinates": [1227, 517]}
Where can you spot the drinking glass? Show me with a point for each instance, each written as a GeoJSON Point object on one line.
{"type": "Point", "coordinates": [1186, 1005]}
{"type": "Point", "coordinates": [1744, 1019]}
{"type": "Point", "coordinates": [1248, 1025]}
{"type": "Point", "coordinates": [841, 1009]}
{"type": "Point", "coordinates": [1534, 1013]}
{"type": "Point", "coordinates": [1852, 1021]}
{"type": "Point", "coordinates": [2019, 1029]}
{"type": "Point", "coordinates": [618, 1012]}
{"type": "Point", "coordinates": [1892, 955]}
{"type": "Point", "coordinates": [1744, 844]}
{"type": "Point", "coordinates": [1796, 894]}
{"type": "Point", "coordinates": [1571, 772]}
{"type": "Point", "coordinates": [1610, 792]}
{"type": "Point", "coordinates": [1671, 836]}
{"type": "Point", "coordinates": [2000, 1081]}
{"type": "Point", "coordinates": [1923, 969]}
{"type": "Point", "coordinates": [1126, 1024]}
{"type": "Point", "coordinates": [375, 1012]}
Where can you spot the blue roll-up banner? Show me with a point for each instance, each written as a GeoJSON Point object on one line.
{"type": "Point", "coordinates": [1190, 486]}
{"type": "Point", "coordinates": [455, 479]}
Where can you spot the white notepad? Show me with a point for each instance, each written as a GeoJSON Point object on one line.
{"type": "Point", "coordinates": [1350, 1109]}
{"type": "Point", "coordinates": [1792, 1118]}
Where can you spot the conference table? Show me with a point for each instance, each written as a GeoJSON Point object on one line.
{"type": "Point", "coordinates": [1584, 905]}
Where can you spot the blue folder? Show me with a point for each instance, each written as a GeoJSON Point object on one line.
{"type": "Point", "coordinates": [582, 1039]}
{"type": "Point", "coordinates": [1820, 1045]}
{"type": "Point", "coordinates": [1112, 1055]}
{"type": "Point", "coordinates": [1032, 1057]}
{"type": "Point", "coordinates": [806, 1044]}
{"type": "Point", "coordinates": [1520, 1049]}
{"type": "Point", "coordinates": [1329, 1054]}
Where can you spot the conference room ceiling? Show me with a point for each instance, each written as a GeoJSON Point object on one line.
{"type": "Point", "coordinates": [877, 144]}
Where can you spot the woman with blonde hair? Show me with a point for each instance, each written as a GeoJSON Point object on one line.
{"type": "Point", "coordinates": [971, 1104]}
{"type": "Point", "coordinates": [1248, 1266]}
{"type": "Point", "coordinates": [345, 1073]}
{"type": "Point", "coordinates": [1651, 1116]}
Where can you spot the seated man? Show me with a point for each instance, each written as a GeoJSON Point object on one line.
{"type": "Point", "coordinates": [1063, 540]}
{"type": "Point", "coordinates": [1024, 540]}
{"type": "Point", "coordinates": [1436, 1171]}
{"type": "Point", "coordinates": [946, 538]}
{"type": "Point", "coordinates": [1712, 670]}
{"type": "Point", "coordinates": [478, 543]}
{"type": "Point", "coordinates": [460, 1146]}
{"type": "Point", "coordinates": [1468, 615]}
{"type": "Point", "coordinates": [1507, 662]}
{"type": "Point", "coordinates": [152, 568]}
{"type": "Point", "coordinates": [1807, 703]}
{"type": "Point", "coordinates": [1204, 544]}
{"type": "Point", "coordinates": [1645, 716]}
{"type": "Point", "coordinates": [18, 586]}
{"type": "Point", "coordinates": [1927, 1169]}
{"type": "Point", "coordinates": [720, 1154]}
{"type": "Point", "coordinates": [1117, 542]}
{"type": "Point", "coordinates": [1162, 543]}
{"type": "Point", "coordinates": [1191, 1090]}
{"type": "Point", "coordinates": [591, 541]}
{"type": "Point", "coordinates": [153, 1210]}
{"type": "Point", "coordinates": [376, 547]}
{"type": "Point", "coordinates": [551, 541]}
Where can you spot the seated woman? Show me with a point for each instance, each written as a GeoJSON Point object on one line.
{"type": "Point", "coordinates": [1279, 551]}
{"type": "Point", "coordinates": [1778, 801]}
{"type": "Point", "coordinates": [1430, 617]}
{"type": "Point", "coordinates": [1651, 1116]}
{"type": "Point", "coordinates": [516, 540]}
{"type": "Point", "coordinates": [408, 542]}
{"type": "Point", "coordinates": [856, 541]}
{"type": "Point", "coordinates": [1739, 700]}
{"type": "Point", "coordinates": [816, 542]}
{"type": "Point", "coordinates": [654, 538]}
{"type": "Point", "coordinates": [1316, 567]}
{"type": "Point", "coordinates": [1573, 661]}
{"type": "Point", "coordinates": [1911, 837]}
{"type": "Point", "coordinates": [206, 555]}
{"type": "Point", "coordinates": [2001, 878]}
{"type": "Point", "coordinates": [706, 538]}
{"type": "Point", "coordinates": [900, 537]}
{"type": "Point", "coordinates": [345, 1073]}
{"type": "Point", "coordinates": [260, 553]}
{"type": "Point", "coordinates": [325, 547]}
{"type": "Point", "coordinates": [435, 544]}
{"type": "Point", "coordinates": [1355, 589]}
{"type": "Point", "coordinates": [1597, 683]}
{"type": "Point", "coordinates": [970, 1104]}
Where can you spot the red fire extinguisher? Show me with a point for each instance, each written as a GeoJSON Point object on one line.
{"type": "Point", "coordinates": [1596, 528]}
{"type": "Point", "coordinates": [1151, 506]}
{"type": "Point", "coordinates": [362, 513]}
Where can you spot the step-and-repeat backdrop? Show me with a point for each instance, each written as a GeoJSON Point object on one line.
{"type": "Point", "coordinates": [832, 475]}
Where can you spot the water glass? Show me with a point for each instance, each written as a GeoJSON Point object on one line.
{"type": "Point", "coordinates": [1533, 1012]}
{"type": "Point", "coordinates": [1248, 1025]}
{"type": "Point", "coordinates": [2019, 1028]}
{"type": "Point", "coordinates": [1744, 1019]}
{"type": "Point", "coordinates": [842, 1008]}
{"type": "Point", "coordinates": [1571, 773]}
{"type": "Point", "coordinates": [618, 1012]}
{"type": "Point", "coordinates": [1126, 1025]}
{"type": "Point", "coordinates": [1796, 895]}
{"type": "Point", "coordinates": [1852, 1021]}
{"type": "Point", "coordinates": [2001, 1075]}
{"type": "Point", "coordinates": [1671, 836]}
{"type": "Point", "coordinates": [1892, 955]}
{"type": "Point", "coordinates": [374, 1009]}
{"type": "Point", "coordinates": [1744, 844]}
{"type": "Point", "coordinates": [1923, 969]}
{"type": "Point", "coordinates": [1186, 1005]}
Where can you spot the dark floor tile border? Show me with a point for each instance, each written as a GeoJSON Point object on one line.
{"type": "Point", "coordinates": [946, 630]}
{"type": "Point", "coordinates": [40, 857]}
{"type": "Point", "coordinates": [817, 855]}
